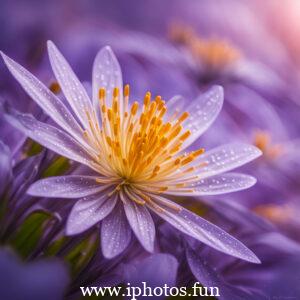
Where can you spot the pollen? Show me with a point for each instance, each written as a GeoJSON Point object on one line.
{"type": "Point", "coordinates": [101, 94]}
{"type": "Point", "coordinates": [55, 88]}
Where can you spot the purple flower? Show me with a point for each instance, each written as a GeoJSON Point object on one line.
{"type": "Point", "coordinates": [138, 156]}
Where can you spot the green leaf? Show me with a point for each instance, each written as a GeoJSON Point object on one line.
{"type": "Point", "coordinates": [56, 246]}
{"type": "Point", "coordinates": [198, 208]}
{"type": "Point", "coordinates": [30, 232]}
{"type": "Point", "coordinates": [32, 148]}
{"type": "Point", "coordinates": [82, 253]}
{"type": "Point", "coordinates": [3, 206]}
{"type": "Point", "coordinates": [58, 167]}
{"type": "Point", "coordinates": [3, 210]}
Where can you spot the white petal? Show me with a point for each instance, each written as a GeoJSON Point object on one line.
{"type": "Point", "coordinates": [141, 223]}
{"type": "Point", "coordinates": [115, 233]}
{"type": "Point", "coordinates": [70, 186]}
{"type": "Point", "coordinates": [219, 184]}
{"type": "Point", "coordinates": [225, 158]}
{"type": "Point", "coordinates": [71, 86]}
{"type": "Point", "coordinates": [50, 137]}
{"type": "Point", "coordinates": [203, 111]}
{"type": "Point", "coordinates": [204, 231]}
{"type": "Point", "coordinates": [51, 104]}
{"type": "Point", "coordinates": [225, 183]}
{"type": "Point", "coordinates": [106, 74]}
{"type": "Point", "coordinates": [89, 211]}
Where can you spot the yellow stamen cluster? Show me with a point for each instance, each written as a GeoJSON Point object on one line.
{"type": "Point", "coordinates": [262, 140]}
{"type": "Point", "coordinates": [215, 53]}
{"type": "Point", "coordinates": [138, 147]}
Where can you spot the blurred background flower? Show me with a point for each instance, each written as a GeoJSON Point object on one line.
{"type": "Point", "coordinates": [251, 48]}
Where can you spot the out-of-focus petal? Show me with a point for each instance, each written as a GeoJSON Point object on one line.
{"type": "Point", "coordinates": [5, 166]}
{"type": "Point", "coordinates": [204, 231]}
{"type": "Point", "coordinates": [201, 269]}
{"type": "Point", "coordinates": [141, 223]}
{"type": "Point", "coordinates": [51, 104]}
{"type": "Point", "coordinates": [43, 279]}
{"type": "Point", "coordinates": [25, 173]}
{"type": "Point", "coordinates": [115, 233]}
{"type": "Point", "coordinates": [203, 111]}
{"type": "Point", "coordinates": [157, 270]}
{"type": "Point", "coordinates": [71, 86]}
{"type": "Point", "coordinates": [89, 211]}
{"type": "Point", "coordinates": [106, 74]}
{"type": "Point", "coordinates": [210, 278]}
{"type": "Point", "coordinates": [50, 137]}
{"type": "Point", "coordinates": [225, 158]}
{"type": "Point", "coordinates": [72, 186]}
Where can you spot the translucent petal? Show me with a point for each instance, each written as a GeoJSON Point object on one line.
{"type": "Point", "coordinates": [202, 270]}
{"type": "Point", "coordinates": [141, 223]}
{"type": "Point", "coordinates": [225, 158]}
{"type": "Point", "coordinates": [176, 105]}
{"type": "Point", "coordinates": [50, 137]}
{"type": "Point", "coordinates": [88, 212]}
{"type": "Point", "coordinates": [51, 104]}
{"type": "Point", "coordinates": [115, 233]}
{"type": "Point", "coordinates": [204, 231]}
{"type": "Point", "coordinates": [225, 183]}
{"type": "Point", "coordinates": [203, 111]}
{"type": "Point", "coordinates": [106, 74]}
{"type": "Point", "coordinates": [219, 184]}
{"type": "Point", "coordinates": [71, 186]}
{"type": "Point", "coordinates": [71, 86]}
{"type": "Point", "coordinates": [208, 276]}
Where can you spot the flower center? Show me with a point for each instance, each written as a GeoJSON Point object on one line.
{"type": "Point", "coordinates": [139, 144]}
